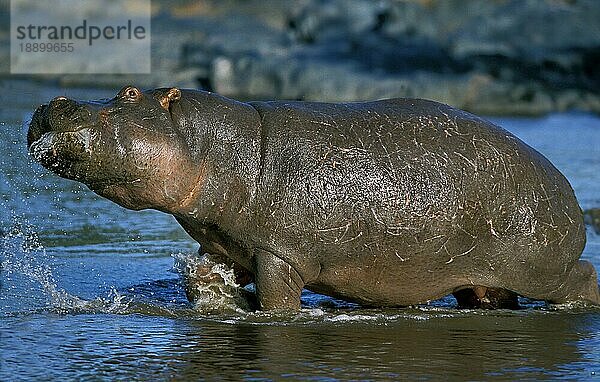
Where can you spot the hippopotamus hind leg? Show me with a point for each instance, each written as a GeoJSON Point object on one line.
{"type": "Point", "coordinates": [581, 284]}
{"type": "Point", "coordinates": [486, 298]}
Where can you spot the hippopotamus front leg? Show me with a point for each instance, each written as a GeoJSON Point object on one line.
{"type": "Point", "coordinates": [203, 271]}
{"type": "Point", "coordinates": [278, 284]}
{"type": "Point", "coordinates": [214, 272]}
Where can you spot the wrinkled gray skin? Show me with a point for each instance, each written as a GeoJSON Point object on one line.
{"type": "Point", "coordinates": [386, 203]}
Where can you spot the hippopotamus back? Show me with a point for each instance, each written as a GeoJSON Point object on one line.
{"type": "Point", "coordinates": [390, 194]}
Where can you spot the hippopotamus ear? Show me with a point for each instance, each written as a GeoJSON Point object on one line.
{"type": "Point", "coordinates": [173, 95]}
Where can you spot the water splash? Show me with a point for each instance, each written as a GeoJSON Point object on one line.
{"type": "Point", "coordinates": [211, 285]}
{"type": "Point", "coordinates": [28, 283]}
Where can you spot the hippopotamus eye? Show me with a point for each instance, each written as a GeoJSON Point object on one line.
{"type": "Point", "coordinates": [130, 93]}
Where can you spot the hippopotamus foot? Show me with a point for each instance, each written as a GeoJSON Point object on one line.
{"type": "Point", "coordinates": [216, 274]}
{"type": "Point", "coordinates": [486, 298]}
{"type": "Point", "coordinates": [204, 271]}
{"type": "Point", "coordinates": [278, 284]}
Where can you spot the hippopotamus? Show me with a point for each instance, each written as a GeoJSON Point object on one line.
{"type": "Point", "coordinates": [386, 203]}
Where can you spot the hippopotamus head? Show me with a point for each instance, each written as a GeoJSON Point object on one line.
{"type": "Point", "coordinates": [127, 148]}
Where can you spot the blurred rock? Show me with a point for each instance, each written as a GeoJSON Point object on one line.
{"type": "Point", "coordinates": [489, 57]}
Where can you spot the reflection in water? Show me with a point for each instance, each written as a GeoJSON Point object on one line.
{"type": "Point", "coordinates": [512, 346]}
{"type": "Point", "coordinates": [433, 348]}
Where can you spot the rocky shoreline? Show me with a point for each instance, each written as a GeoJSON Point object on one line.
{"type": "Point", "coordinates": [507, 57]}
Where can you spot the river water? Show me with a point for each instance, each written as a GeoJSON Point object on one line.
{"type": "Point", "coordinates": [90, 291]}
